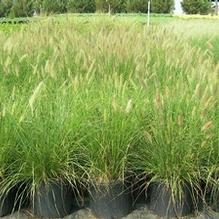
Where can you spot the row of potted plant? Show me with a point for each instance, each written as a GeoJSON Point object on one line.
{"type": "Point", "coordinates": [102, 134]}
{"type": "Point", "coordinates": [56, 199]}
{"type": "Point", "coordinates": [108, 107]}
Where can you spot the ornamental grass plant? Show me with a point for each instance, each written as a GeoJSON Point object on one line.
{"type": "Point", "coordinates": [104, 99]}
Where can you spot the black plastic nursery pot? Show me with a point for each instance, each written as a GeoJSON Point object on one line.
{"type": "Point", "coordinates": [110, 201]}
{"type": "Point", "coordinates": [7, 203]}
{"type": "Point", "coordinates": [211, 189]}
{"type": "Point", "coordinates": [53, 200]}
{"type": "Point", "coordinates": [22, 199]}
{"type": "Point", "coordinates": [81, 196]}
{"type": "Point", "coordinates": [163, 204]}
{"type": "Point", "coordinates": [212, 199]}
{"type": "Point", "coordinates": [140, 191]}
{"type": "Point", "coordinates": [13, 200]}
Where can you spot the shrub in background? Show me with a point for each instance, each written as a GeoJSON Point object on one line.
{"type": "Point", "coordinates": [136, 6]}
{"type": "Point", "coordinates": [5, 7]}
{"type": "Point", "coordinates": [115, 6]}
{"type": "Point", "coordinates": [22, 8]}
{"type": "Point", "coordinates": [157, 6]}
{"type": "Point", "coordinates": [81, 6]}
{"type": "Point", "coordinates": [164, 6]}
{"type": "Point", "coordinates": [196, 6]}
{"type": "Point", "coordinates": [53, 6]}
{"type": "Point", "coordinates": [38, 6]}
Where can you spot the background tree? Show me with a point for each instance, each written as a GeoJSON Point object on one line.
{"type": "Point", "coordinates": [196, 6]}
{"type": "Point", "coordinates": [162, 6]}
{"type": "Point", "coordinates": [157, 6]}
{"type": "Point", "coordinates": [38, 6]}
{"type": "Point", "coordinates": [81, 6]}
{"type": "Point", "coordinates": [54, 6]}
{"type": "Point", "coordinates": [18, 8]}
{"type": "Point", "coordinates": [22, 8]}
{"type": "Point", "coordinates": [136, 6]}
{"type": "Point", "coordinates": [115, 6]}
{"type": "Point", "coordinates": [5, 7]}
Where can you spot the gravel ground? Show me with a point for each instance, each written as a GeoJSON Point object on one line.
{"type": "Point", "coordinates": [141, 213]}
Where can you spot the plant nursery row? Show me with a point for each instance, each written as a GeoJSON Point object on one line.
{"type": "Point", "coordinates": [108, 112]}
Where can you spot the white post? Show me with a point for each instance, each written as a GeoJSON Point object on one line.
{"type": "Point", "coordinates": [216, 7]}
{"type": "Point", "coordinates": [109, 7]}
{"type": "Point", "coordinates": [149, 11]}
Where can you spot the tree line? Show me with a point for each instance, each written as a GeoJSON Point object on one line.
{"type": "Point", "coordinates": [24, 8]}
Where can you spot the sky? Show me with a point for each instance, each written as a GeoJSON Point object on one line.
{"type": "Point", "coordinates": [178, 8]}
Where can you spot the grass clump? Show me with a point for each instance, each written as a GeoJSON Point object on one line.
{"type": "Point", "coordinates": [81, 102]}
{"type": "Point", "coordinates": [114, 131]}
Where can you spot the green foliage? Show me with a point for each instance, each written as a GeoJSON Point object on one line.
{"type": "Point", "coordinates": [196, 6]}
{"type": "Point", "coordinates": [38, 6]}
{"type": "Point", "coordinates": [115, 6]}
{"type": "Point", "coordinates": [50, 149]}
{"type": "Point", "coordinates": [211, 45]}
{"type": "Point", "coordinates": [114, 130]}
{"type": "Point", "coordinates": [81, 6]}
{"type": "Point", "coordinates": [136, 6]}
{"type": "Point", "coordinates": [101, 106]}
{"type": "Point", "coordinates": [162, 6]}
{"type": "Point", "coordinates": [5, 7]}
{"type": "Point", "coordinates": [21, 8]}
{"type": "Point", "coordinates": [157, 6]}
{"type": "Point", "coordinates": [53, 6]}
